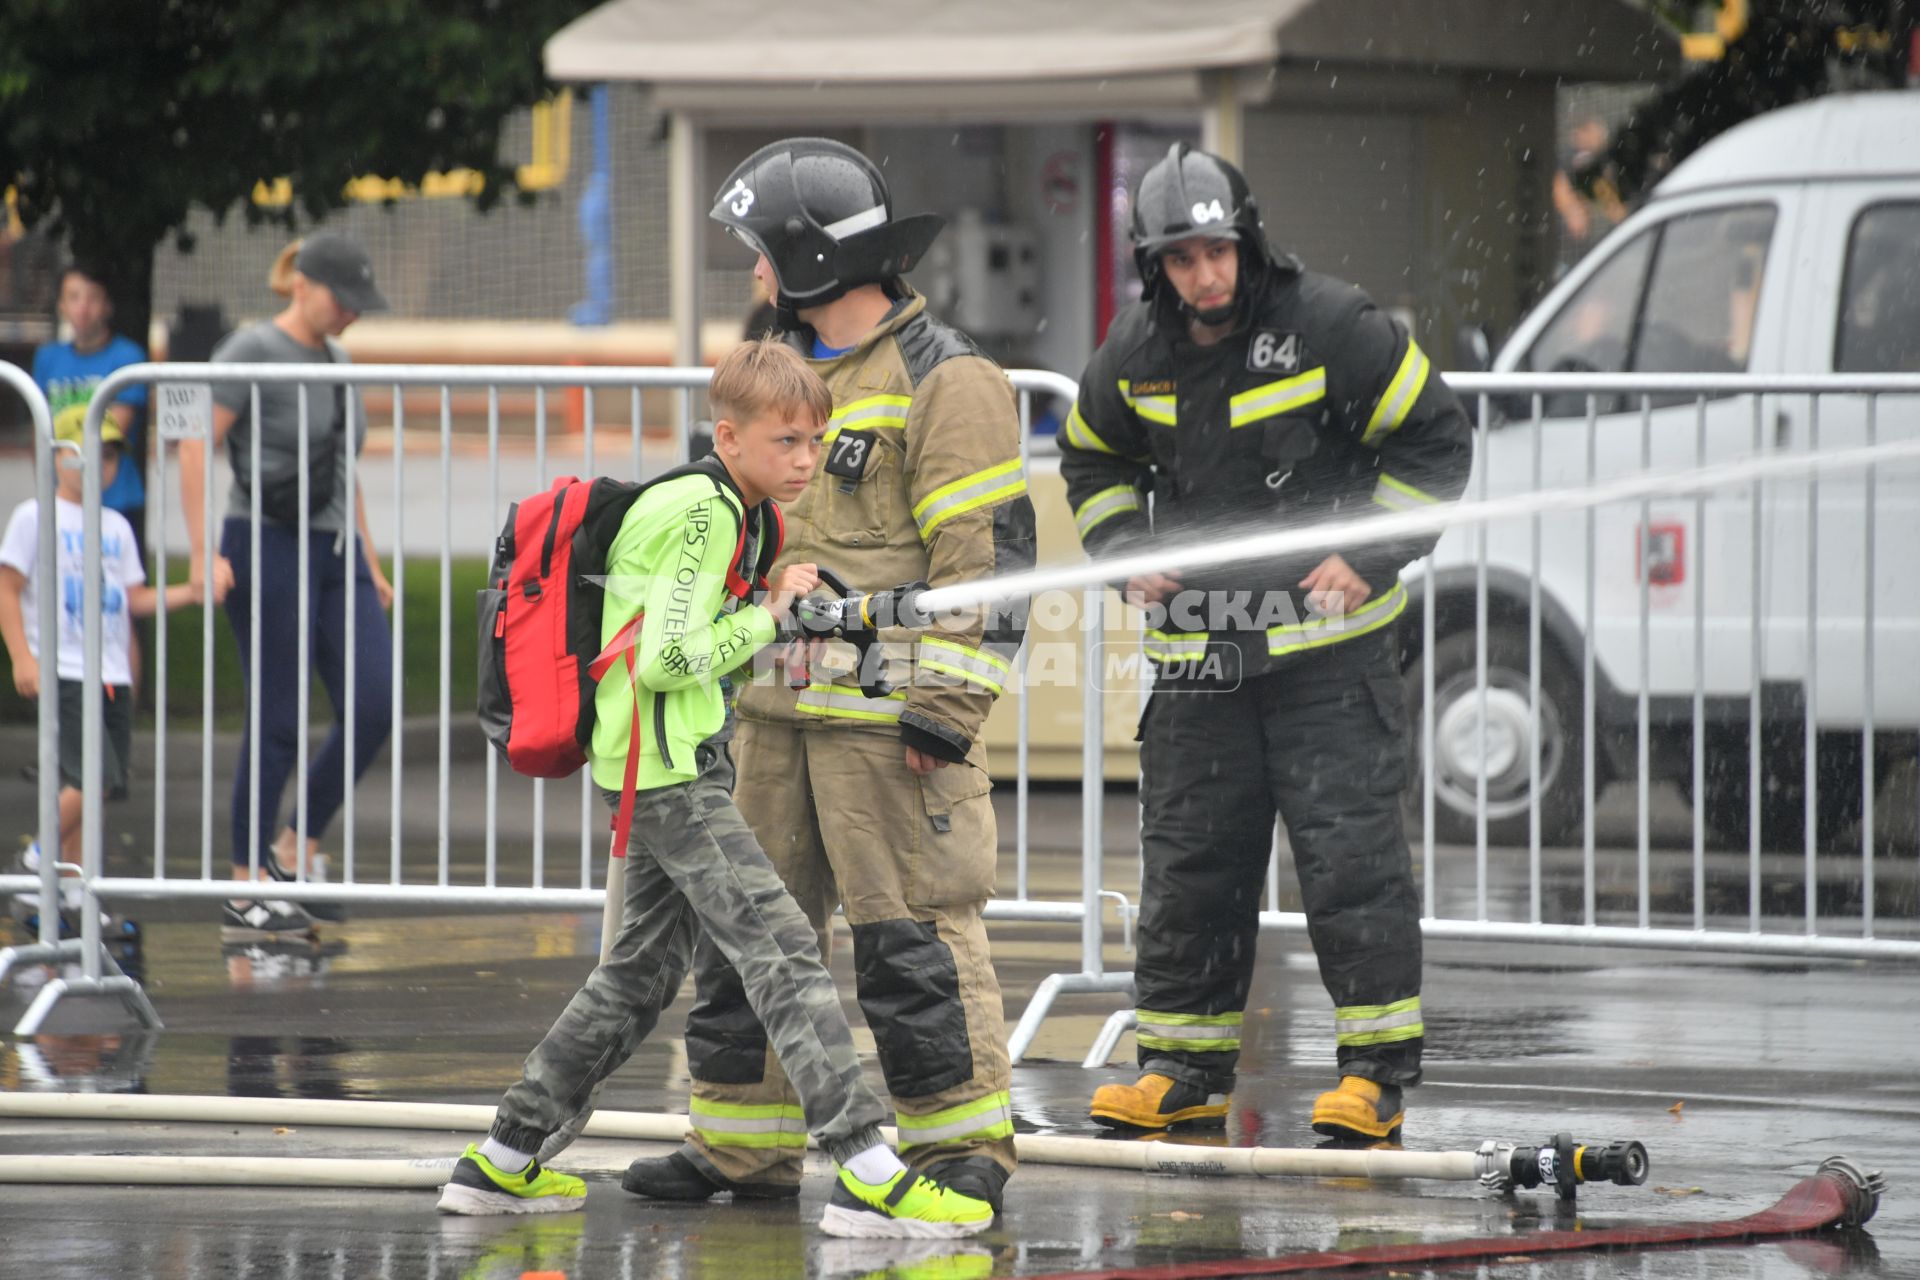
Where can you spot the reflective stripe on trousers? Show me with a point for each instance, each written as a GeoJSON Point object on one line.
{"type": "Point", "coordinates": [1363, 1024]}
{"type": "Point", "coordinates": [1189, 1032]}
{"type": "Point", "coordinates": [729, 1124]}
{"type": "Point", "coordinates": [982, 1119]}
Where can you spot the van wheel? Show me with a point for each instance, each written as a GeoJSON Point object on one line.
{"type": "Point", "coordinates": [1783, 790]}
{"type": "Point", "coordinates": [1458, 758]}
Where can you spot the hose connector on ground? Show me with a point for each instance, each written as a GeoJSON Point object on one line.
{"type": "Point", "coordinates": [1861, 1188]}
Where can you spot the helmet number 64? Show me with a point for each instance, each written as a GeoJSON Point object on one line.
{"type": "Point", "coordinates": [1208, 211]}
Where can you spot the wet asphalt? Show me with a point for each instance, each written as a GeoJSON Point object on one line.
{"type": "Point", "coordinates": [1738, 1076]}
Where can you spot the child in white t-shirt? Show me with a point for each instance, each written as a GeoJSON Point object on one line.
{"type": "Point", "coordinates": [124, 595]}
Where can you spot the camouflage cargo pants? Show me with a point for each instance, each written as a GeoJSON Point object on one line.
{"type": "Point", "coordinates": [693, 865]}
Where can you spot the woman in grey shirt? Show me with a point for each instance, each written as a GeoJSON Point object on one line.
{"type": "Point", "coordinates": [328, 282]}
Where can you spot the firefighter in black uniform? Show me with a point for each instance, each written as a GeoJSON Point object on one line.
{"type": "Point", "coordinates": [1243, 393]}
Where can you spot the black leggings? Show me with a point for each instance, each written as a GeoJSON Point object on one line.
{"type": "Point", "coordinates": [276, 683]}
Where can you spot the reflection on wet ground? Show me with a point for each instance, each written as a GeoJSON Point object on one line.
{"type": "Point", "coordinates": [1738, 1077]}
{"type": "Point", "coordinates": [79, 1063]}
{"type": "Point", "coordinates": [340, 1233]}
{"type": "Point", "coordinates": [1773, 1066]}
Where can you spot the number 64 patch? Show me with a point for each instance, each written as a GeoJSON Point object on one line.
{"type": "Point", "coordinates": [1273, 351]}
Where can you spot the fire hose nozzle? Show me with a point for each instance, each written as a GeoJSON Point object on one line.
{"type": "Point", "coordinates": [1624, 1164]}
{"type": "Point", "coordinates": [867, 612]}
{"type": "Point", "coordinates": [859, 614]}
{"type": "Point", "coordinates": [1562, 1164]}
{"type": "Point", "coordinates": [858, 617]}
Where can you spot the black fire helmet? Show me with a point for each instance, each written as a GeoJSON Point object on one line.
{"type": "Point", "coordinates": [821, 213]}
{"type": "Point", "coordinates": [1195, 193]}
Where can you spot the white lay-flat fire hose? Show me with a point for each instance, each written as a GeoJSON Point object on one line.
{"type": "Point", "coordinates": [1491, 1164]}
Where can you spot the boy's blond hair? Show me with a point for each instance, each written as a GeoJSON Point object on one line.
{"type": "Point", "coordinates": [765, 375]}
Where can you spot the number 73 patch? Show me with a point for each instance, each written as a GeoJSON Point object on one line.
{"type": "Point", "coordinates": [847, 457]}
{"type": "Point", "coordinates": [1273, 351]}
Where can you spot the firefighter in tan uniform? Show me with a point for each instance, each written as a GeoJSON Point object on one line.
{"type": "Point", "coordinates": [879, 805]}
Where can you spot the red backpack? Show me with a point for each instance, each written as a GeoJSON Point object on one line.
{"type": "Point", "coordinates": [540, 654]}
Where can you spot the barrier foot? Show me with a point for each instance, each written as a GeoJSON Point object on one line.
{"type": "Point", "coordinates": [1052, 987]}
{"type": "Point", "coordinates": [1121, 1022]}
{"type": "Point", "coordinates": [43, 1002]}
{"type": "Point", "coordinates": [132, 998]}
{"type": "Point", "coordinates": [38, 953]}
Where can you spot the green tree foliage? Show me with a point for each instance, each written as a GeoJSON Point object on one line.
{"type": "Point", "coordinates": [119, 117]}
{"type": "Point", "coordinates": [1791, 50]}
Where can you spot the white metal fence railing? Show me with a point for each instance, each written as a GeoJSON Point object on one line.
{"type": "Point", "coordinates": [1631, 627]}
{"type": "Point", "coordinates": [1601, 514]}
{"type": "Point", "coordinates": [102, 974]}
{"type": "Point", "coordinates": [1733, 600]}
{"type": "Point", "coordinates": [472, 496]}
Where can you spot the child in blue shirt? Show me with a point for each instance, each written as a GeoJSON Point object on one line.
{"type": "Point", "coordinates": [68, 372]}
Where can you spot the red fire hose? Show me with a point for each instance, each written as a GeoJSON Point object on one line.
{"type": "Point", "coordinates": [1839, 1193]}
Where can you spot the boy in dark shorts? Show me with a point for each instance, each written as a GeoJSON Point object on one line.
{"type": "Point", "coordinates": [124, 595]}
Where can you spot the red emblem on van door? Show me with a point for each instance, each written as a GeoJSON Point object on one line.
{"type": "Point", "coordinates": [1661, 554]}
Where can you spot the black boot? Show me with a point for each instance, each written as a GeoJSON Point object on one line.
{"type": "Point", "coordinates": [675, 1177]}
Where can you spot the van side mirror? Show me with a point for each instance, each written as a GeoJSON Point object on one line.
{"type": "Point", "coordinates": [1472, 348]}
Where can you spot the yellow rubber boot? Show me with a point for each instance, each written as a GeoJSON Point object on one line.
{"type": "Point", "coordinates": [1155, 1101]}
{"type": "Point", "coordinates": [1360, 1110]}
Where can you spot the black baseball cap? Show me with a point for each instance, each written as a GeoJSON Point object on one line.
{"type": "Point", "coordinates": [339, 263]}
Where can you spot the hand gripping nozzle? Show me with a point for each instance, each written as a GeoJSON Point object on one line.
{"type": "Point", "coordinates": [857, 617]}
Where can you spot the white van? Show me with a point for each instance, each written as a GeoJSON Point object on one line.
{"type": "Point", "coordinates": [1791, 245]}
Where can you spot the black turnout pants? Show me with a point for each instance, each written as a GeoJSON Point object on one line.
{"type": "Point", "coordinates": [1324, 743]}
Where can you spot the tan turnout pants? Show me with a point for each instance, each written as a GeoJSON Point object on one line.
{"type": "Point", "coordinates": [912, 860]}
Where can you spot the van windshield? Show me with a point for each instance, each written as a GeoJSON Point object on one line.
{"type": "Point", "coordinates": [1592, 332]}
{"type": "Point", "coordinates": [1680, 297]}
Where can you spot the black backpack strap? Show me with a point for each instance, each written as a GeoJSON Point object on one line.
{"type": "Point", "coordinates": [773, 536]}
{"type": "Point", "coordinates": [708, 465]}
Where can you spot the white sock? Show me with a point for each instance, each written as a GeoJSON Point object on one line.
{"type": "Point", "coordinates": [875, 1165]}
{"type": "Point", "coordinates": [505, 1158]}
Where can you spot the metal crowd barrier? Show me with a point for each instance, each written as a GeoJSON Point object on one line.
{"type": "Point", "coordinates": [1675, 423]}
{"type": "Point", "coordinates": [539, 891]}
{"type": "Point", "coordinates": [103, 975]}
{"type": "Point", "coordinates": [1469, 576]}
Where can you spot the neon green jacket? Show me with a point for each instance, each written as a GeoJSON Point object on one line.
{"type": "Point", "coordinates": [669, 564]}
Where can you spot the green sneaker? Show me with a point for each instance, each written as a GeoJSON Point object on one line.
{"type": "Point", "coordinates": [906, 1206]}
{"type": "Point", "coordinates": [477, 1188]}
